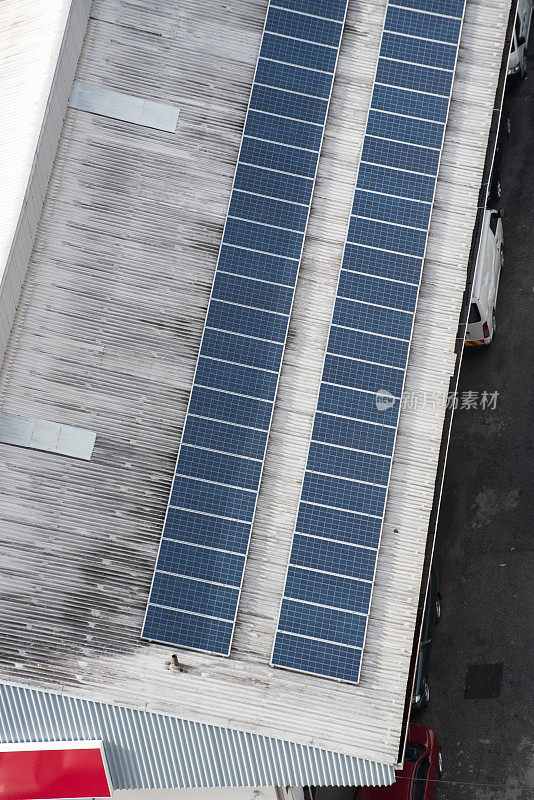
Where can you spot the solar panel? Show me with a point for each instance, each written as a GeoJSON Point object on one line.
{"type": "Point", "coordinates": [195, 590]}
{"type": "Point", "coordinates": [330, 576]}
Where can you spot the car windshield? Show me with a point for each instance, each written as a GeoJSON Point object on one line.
{"type": "Point", "coordinates": [517, 33]}
{"type": "Point", "coordinates": [413, 751]}
{"type": "Point", "coordinates": [474, 313]}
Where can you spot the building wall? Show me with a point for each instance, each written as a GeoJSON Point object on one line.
{"type": "Point", "coordinates": [44, 116]}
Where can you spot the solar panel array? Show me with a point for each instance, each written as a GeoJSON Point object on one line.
{"type": "Point", "coordinates": [325, 607]}
{"type": "Point", "coordinates": [195, 591]}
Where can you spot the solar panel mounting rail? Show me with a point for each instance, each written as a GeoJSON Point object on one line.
{"type": "Point", "coordinates": [196, 586]}
{"type": "Point", "coordinates": [325, 607]}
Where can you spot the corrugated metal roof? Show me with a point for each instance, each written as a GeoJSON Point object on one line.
{"type": "Point", "coordinates": [107, 337]}
{"type": "Point", "coordinates": [156, 751]}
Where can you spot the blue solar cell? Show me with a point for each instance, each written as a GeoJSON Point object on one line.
{"type": "Point", "coordinates": [349, 433]}
{"type": "Point", "coordinates": [241, 349]}
{"type": "Point", "coordinates": [388, 237]}
{"type": "Point", "coordinates": [190, 561]}
{"type": "Point", "coordinates": [274, 184]}
{"type": "Point", "coordinates": [366, 288]}
{"type": "Point", "coordinates": [418, 51]}
{"type": "Point", "coordinates": [225, 437]}
{"type": "Point", "coordinates": [348, 464]}
{"type": "Point", "coordinates": [335, 557]}
{"type": "Point", "coordinates": [405, 154]}
{"type": "Point", "coordinates": [412, 104]}
{"type": "Point", "coordinates": [317, 658]}
{"type": "Point", "coordinates": [268, 211]}
{"type": "Point", "coordinates": [243, 319]}
{"type": "Point", "coordinates": [191, 631]}
{"type": "Point", "coordinates": [372, 318]}
{"type": "Point", "coordinates": [452, 8]}
{"type": "Point", "coordinates": [284, 131]}
{"type": "Point", "coordinates": [301, 26]}
{"type": "Point", "coordinates": [293, 78]}
{"type": "Point", "coordinates": [368, 346]}
{"type": "Point", "coordinates": [332, 9]}
{"type": "Point", "coordinates": [213, 499]}
{"type": "Point", "coordinates": [343, 526]}
{"type": "Point", "coordinates": [278, 157]}
{"type": "Point", "coordinates": [239, 379]}
{"type": "Point", "coordinates": [322, 623]}
{"type": "Point", "coordinates": [428, 26]}
{"type": "Point", "coordinates": [405, 129]}
{"type": "Point", "coordinates": [401, 156]}
{"type": "Point", "coordinates": [359, 375]}
{"type": "Point", "coordinates": [226, 407]}
{"type": "Point", "coordinates": [394, 181]}
{"type": "Point", "coordinates": [412, 76]}
{"type": "Point", "coordinates": [345, 494]}
{"type": "Point", "coordinates": [348, 467]}
{"type": "Point", "coordinates": [328, 590]}
{"type": "Point", "coordinates": [363, 405]}
{"type": "Point", "coordinates": [277, 241]}
{"type": "Point", "coordinates": [289, 104]}
{"type": "Point", "coordinates": [218, 467]}
{"type": "Point", "coordinates": [256, 293]}
{"type": "Point", "coordinates": [188, 526]}
{"type": "Point", "coordinates": [293, 51]}
{"type": "Point", "coordinates": [353, 388]}
{"type": "Point", "coordinates": [391, 209]}
{"type": "Point", "coordinates": [382, 264]}
{"type": "Point", "coordinates": [186, 594]}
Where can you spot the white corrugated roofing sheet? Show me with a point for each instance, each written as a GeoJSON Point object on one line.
{"type": "Point", "coordinates": [107, 338]}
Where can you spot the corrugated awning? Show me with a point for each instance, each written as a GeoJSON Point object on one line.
{"type": "Point", "coordinates": [140, 745]}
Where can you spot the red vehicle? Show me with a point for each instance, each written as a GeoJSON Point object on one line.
{"type": "Point", "coordinates": [417, 780]}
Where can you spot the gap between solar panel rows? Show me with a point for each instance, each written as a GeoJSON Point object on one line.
{"type": "Point", "coordinates": [344, 491]}
{"type": "Point", "coordinates": [194, 596]}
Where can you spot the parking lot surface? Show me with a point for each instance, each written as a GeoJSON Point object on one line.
{"type": "Point", "coordinates": [482, 665]}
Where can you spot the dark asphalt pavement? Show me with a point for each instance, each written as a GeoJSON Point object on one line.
{"type": "Point", "coordinates": [482, 665]}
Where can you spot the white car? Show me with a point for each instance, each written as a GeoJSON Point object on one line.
{"type": "Point", "coordinates": [517, 61]}
{"type": "Point", "coordinates": [481, 322]}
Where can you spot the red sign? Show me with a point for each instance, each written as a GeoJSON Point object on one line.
{"type": "Point", "coordinates": [53, 771]}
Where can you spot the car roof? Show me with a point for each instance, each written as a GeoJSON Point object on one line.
{"type": "Point", "coordinates": [485, 251]}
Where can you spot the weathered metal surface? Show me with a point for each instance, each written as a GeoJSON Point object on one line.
{"type": "Point", "coordinates": [106, 338]}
